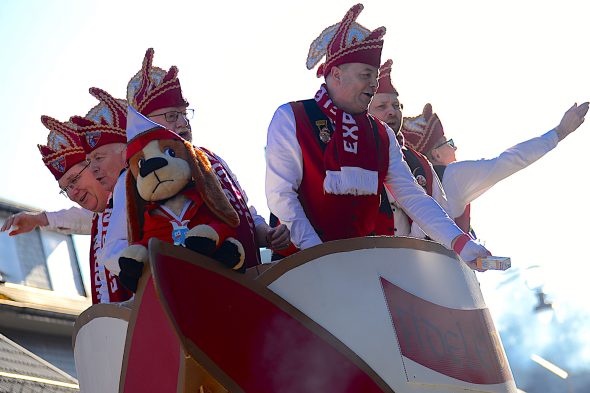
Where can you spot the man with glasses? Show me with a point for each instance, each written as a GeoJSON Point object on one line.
{"type": "Point", "coordinates": [464, 181]}
{"type": "Point", "coordinates": [103, 138]}
{"type": "Point", "coordinates": [175, 118]}
{"type": "Point", "coordinates": [157, 94]}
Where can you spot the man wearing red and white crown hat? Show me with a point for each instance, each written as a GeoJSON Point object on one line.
{"type": "Point", "coordinates": [102, 140]}
{"type": "Point", "coordinates": [328, 159]}
{"type": "Point", "coordinates": [157, 94]}
{"type": "Point", "coordinates": [65, 158]}
{"type": "Point", "coordinates": [464, 181]}
{"type": "Point", "coordinates": [386, 107]}
{"type": "Point", "coordinates": [102, 132]}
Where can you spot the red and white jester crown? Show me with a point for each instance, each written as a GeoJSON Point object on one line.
{"type": "Point", "coordinates": [152, 88]}
{"type": "Point", "coordinates": [385, 85]}
{"type": "Point", "coordinates": [63, 149]}
{"type": "Point", "coordinates": [423, 131]}
{"type": "Point", "coordinates": [103, 124]}
{"type": "Point", "coordinates": [346, 42]}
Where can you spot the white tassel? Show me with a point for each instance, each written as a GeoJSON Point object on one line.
{"type": "Point", "coordinates": [351, 181]}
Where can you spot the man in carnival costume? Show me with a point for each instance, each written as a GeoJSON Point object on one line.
{"type": "Point", "coordinates": [464, 181]}
{"type": "Point", "coordinates": [102, 132]}
{"type": "Point", "coordinates": [65, 157]}
{"type": "Point", "coordinates": [328, 160]}
{"type": "Point", "coordinates": [157, 94]}
{"type": "Point", "coordinates": [386, 107]}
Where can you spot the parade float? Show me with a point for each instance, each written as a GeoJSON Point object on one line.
{"type": "Point", "coordinates": [373, 314]}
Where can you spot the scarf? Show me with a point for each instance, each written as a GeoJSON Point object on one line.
{"type": "Point", "coordinates": [350, 157]}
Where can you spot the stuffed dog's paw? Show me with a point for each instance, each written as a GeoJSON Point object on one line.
{"type": "Point", "coordinates": [131, 263]}
{"type": "Point", "coordinates": [202, 239]}
{"type": "Point", "coordinates": [231, 254]}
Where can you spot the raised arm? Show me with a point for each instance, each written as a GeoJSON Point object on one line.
{"type": "Point", "coordinates": [464, 181]}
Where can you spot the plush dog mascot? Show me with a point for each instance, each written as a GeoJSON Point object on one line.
{"type": "Point", "coordinates": [173, 195]}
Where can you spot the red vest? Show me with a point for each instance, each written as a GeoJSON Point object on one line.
{"type": "Point", "coordinates": [245, 233]}
{"type": "Point", "coordinates": [337, 216]}
{"type": "Point", "coordinates": [105, 286]}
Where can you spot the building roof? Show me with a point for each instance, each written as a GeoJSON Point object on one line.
{"type": "Point", "coordinates": [22, 371]}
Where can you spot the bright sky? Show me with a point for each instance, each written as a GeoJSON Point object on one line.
{"type": "Point", "coordinates": [496, 72]}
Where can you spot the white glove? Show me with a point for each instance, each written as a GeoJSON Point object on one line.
{"type": "Point", "coordinates": [469, 251]}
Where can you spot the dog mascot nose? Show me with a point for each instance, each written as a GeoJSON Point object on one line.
{"type": "Point", "coordinates": [151, 165]}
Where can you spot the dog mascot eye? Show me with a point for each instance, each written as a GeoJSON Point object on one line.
{"type": "Point", "coordinates": [140, 163]}
{"type": "Point", "coordinates": [169, 151]}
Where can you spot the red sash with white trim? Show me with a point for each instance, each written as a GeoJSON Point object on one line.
{"type": "Point", "coordinates": [105, 286]}
{"type": "Point", "coordinates": [246, 230]}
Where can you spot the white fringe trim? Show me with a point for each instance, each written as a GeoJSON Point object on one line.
{"type": "Point", "coordinates": [351, 181]}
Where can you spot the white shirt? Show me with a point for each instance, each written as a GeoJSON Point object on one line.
{"type": "Point", "coordinates": [74, 220]}
{"type": "Point", "coordinates": [116, 236]}
{"type": "Point", "coordinates": [464, 181]}
{"type": "Point", "coordinates": [284, 173]}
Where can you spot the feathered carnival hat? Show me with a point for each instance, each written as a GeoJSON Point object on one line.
{"type": "Point", "coordinates": [346, 42]}
{"type": "Point", "coordinates": [63, 149]}
{"type": "Point", "coordinates": [423, 131]}
{"type": "Point", "coordinates": [104, 124]}
{"type": "Point", "coordinates": [152, 88]}
{"type": "Point", "coordinates": [384, 80]}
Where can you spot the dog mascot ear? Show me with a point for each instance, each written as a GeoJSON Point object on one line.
{"type": "Point", "coordinates": [210, 188]}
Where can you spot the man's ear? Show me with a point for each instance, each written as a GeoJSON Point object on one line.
{"type": "Point", "coordinates": [336, 73]}
{"type": "Point", "coordinates": [433, 156]}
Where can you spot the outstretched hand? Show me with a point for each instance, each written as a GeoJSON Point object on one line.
{"type": "Point", "coordinates": [571, 120]}
{"type": "Point", "coordinates": [24, 222]}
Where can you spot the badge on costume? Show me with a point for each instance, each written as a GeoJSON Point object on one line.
{"type": "Point", "coordinates": [59, 164]}
{"type": "Point", "coordinates": [325, 134]}
{"type": "Point", "coordinates": [92, 137]}
{"type": "Point", "coordinates": [179, 232]}
{"type": "Point", "coordinates": [421, 180]}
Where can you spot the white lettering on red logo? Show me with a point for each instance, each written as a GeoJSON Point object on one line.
{"type": "Point", "coordinates": [349, 137]}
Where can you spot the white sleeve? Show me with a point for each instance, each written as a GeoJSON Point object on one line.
{"type": "Point", "coordinates": [258, 219]}
{"type": "Point", "coordinates": [72, 221]}
{"type": "Point", "coordinates": [116, 235]}
{"type": "Point", "coordinates": [464, 181]}
{"type": "Point", "coordinates": [438, 194]}
{"type": "Point", "coordinates": [416, 203]}
{"type": "Point", "coordinates": [284, 173]}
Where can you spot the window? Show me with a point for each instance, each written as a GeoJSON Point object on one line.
{"type": "Point", "coordinates": [41, 259]}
